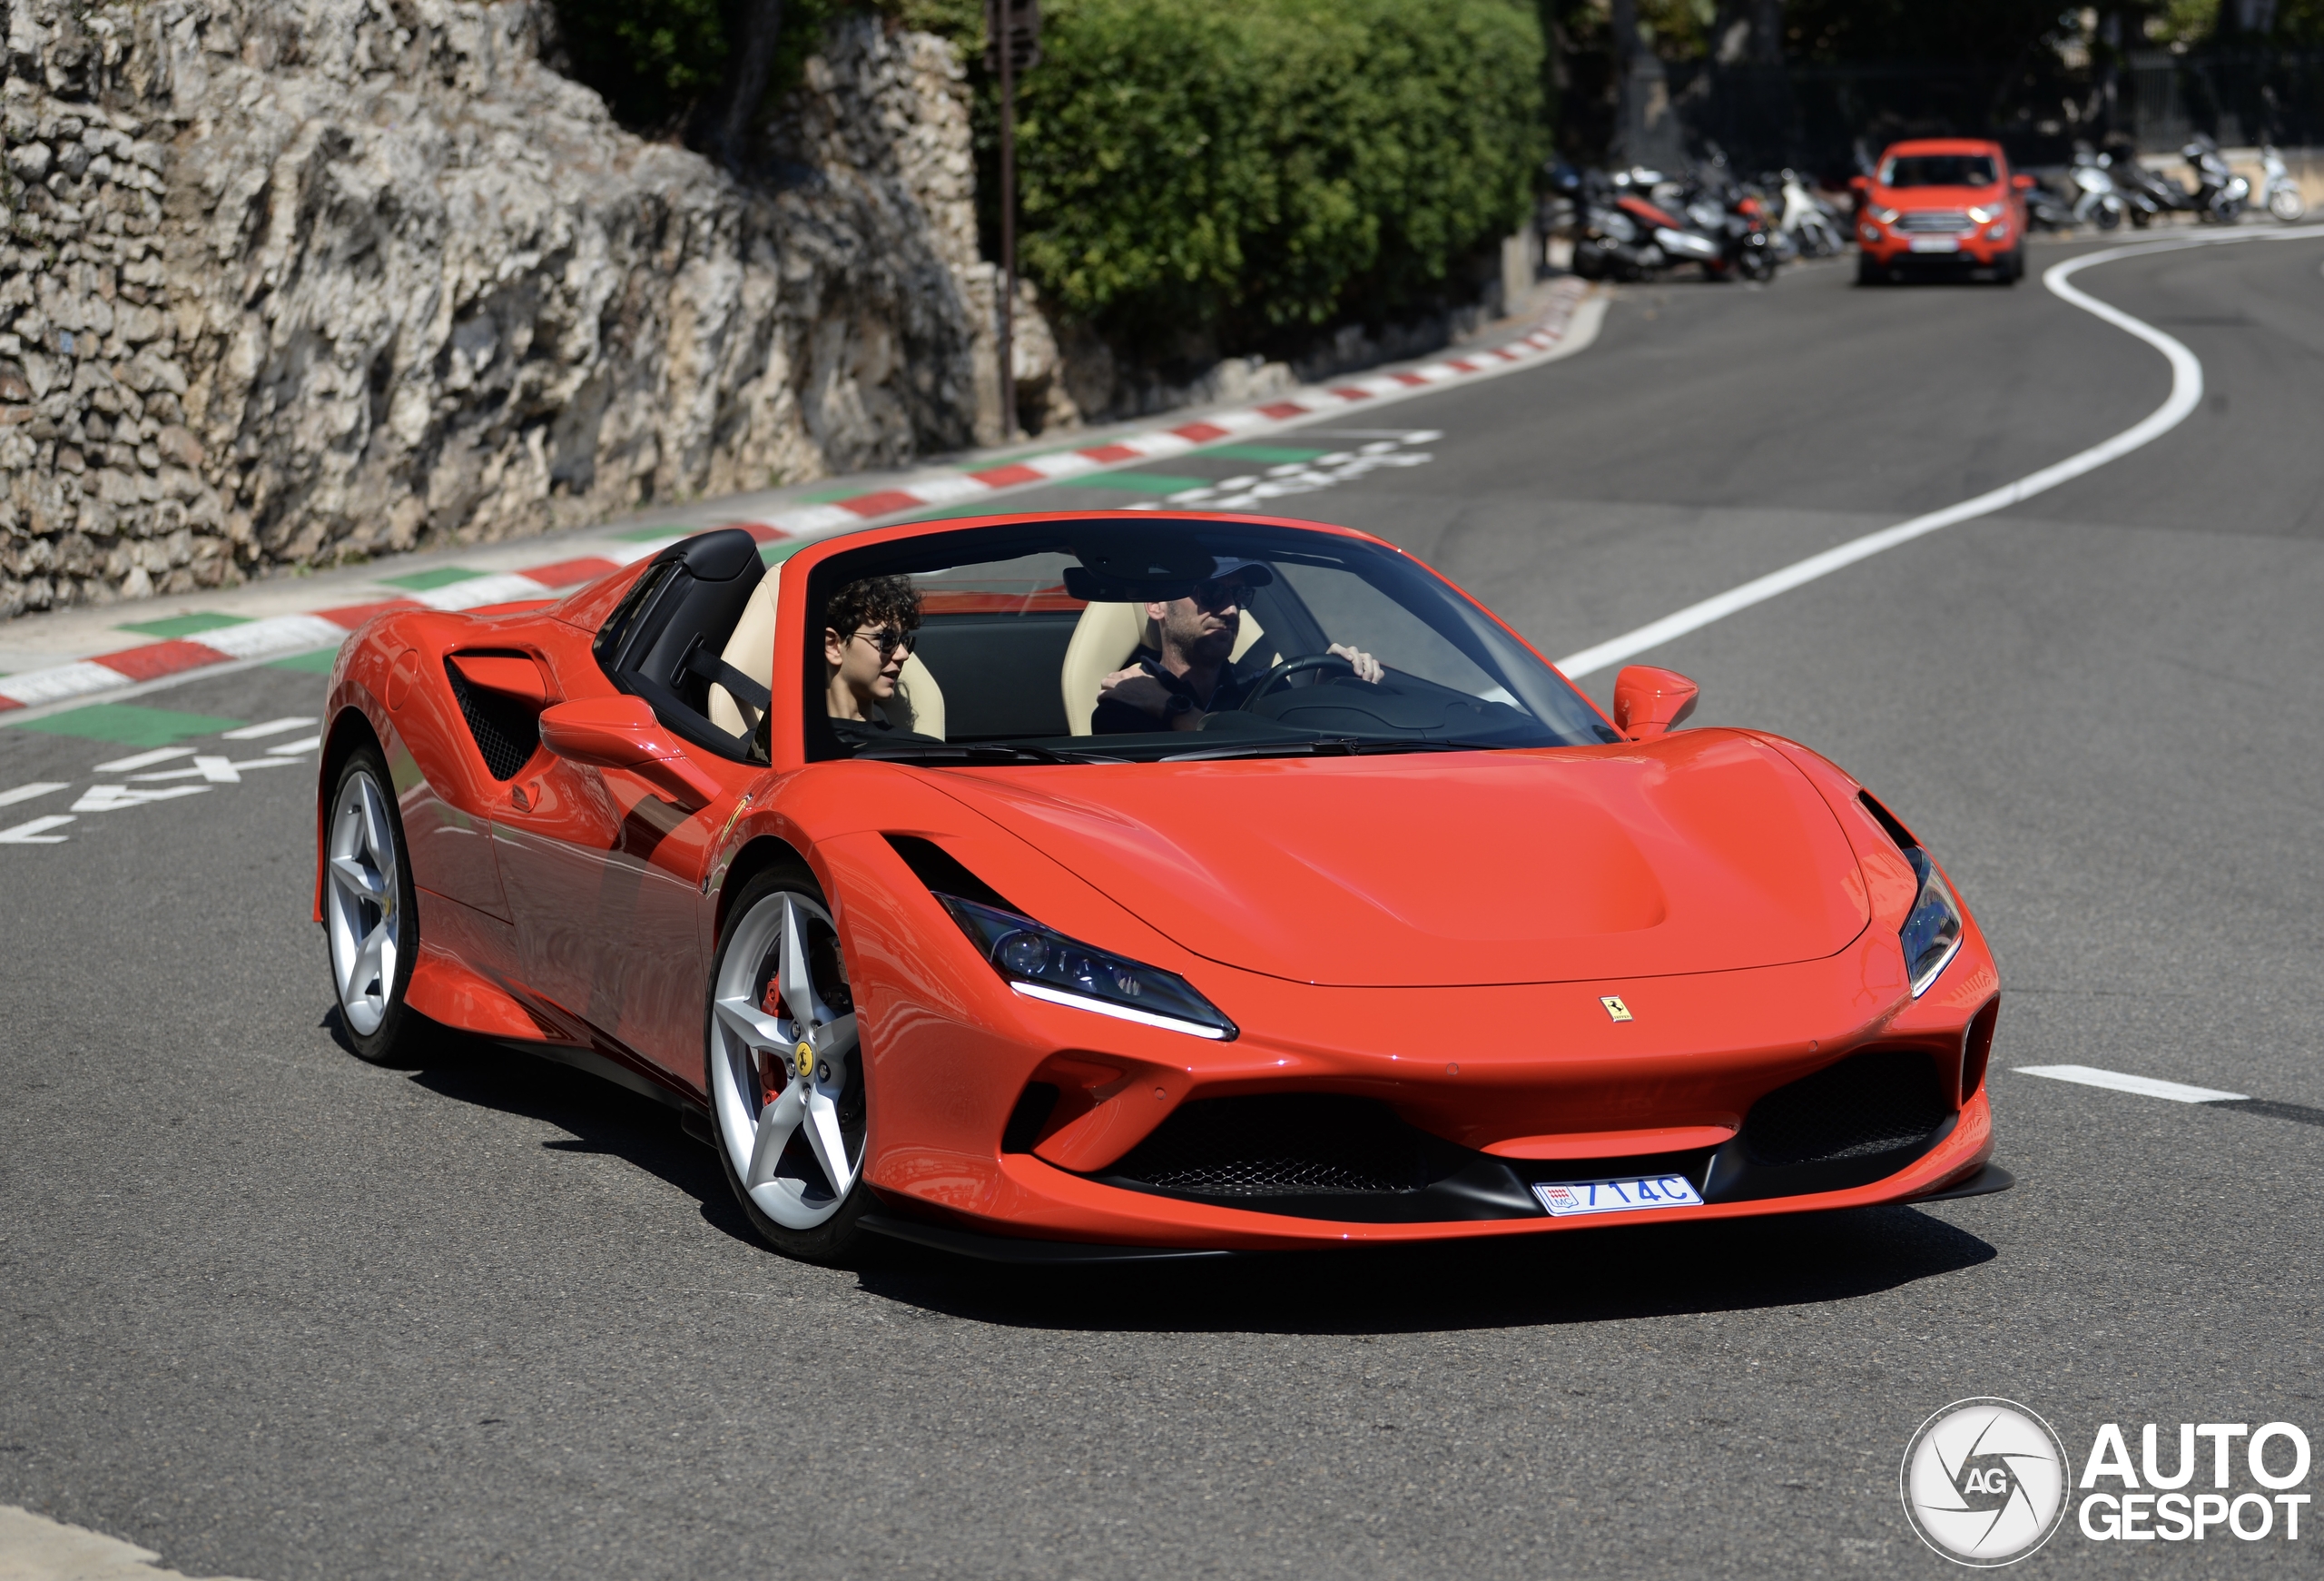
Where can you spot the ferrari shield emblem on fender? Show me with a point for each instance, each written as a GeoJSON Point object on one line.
{"type": "Point", "coordinates": [1614, 1006]}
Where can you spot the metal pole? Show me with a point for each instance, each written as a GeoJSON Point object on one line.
{"type": "Point", "coordinates": [1007, 44]}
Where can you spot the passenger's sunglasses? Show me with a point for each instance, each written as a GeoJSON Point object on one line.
{"type": "Point", "coordinates": [888, 640]}
{"type": "Point", "coordinates": [1213, 595]}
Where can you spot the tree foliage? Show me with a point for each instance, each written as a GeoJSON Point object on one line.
{"type": "Point", "coordinates": [1244, 167]}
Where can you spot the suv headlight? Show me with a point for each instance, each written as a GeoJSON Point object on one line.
{"type": "Point", "coordinates": [1886, 216]}
{"type": "Point", "coordinates": [1932, 930]}
{"type": "Point", "coordinates": [1043, 963]}
{"type": "Point", "coordinates": [1981, 214]}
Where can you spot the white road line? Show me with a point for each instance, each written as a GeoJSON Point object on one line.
{"type": "Point", "coordinates": [25, 793]}
{"type": "Point", "coordinates": [143, 759]}
{"type": "Point", "coordinates": [2186, 393]}
{"type": "Point", "coordinates": [35, 833]}
{"type": "Point", "coordinates": [293, 749]}
{"type": "Point", "coordinates": [112, 798]}
{"type": "Point", "coordinates": [272, 727]}
{"type": "Point", "coordinates": [216, 770]}
{"type": "Point", "coordinates": [2146, 1086]}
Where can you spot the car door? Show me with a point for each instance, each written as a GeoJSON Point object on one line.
{"type": "Point", "coordinates": [603, 878]}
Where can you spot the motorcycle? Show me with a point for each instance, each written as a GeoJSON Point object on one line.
{"type": "Point", "coordinates": [2097, 201]}
{"type": "Point", "coordinates": [1623, 234]}
{"type": "Point", "coordinates": [1812, 225]}
{"type": "Point", "coordinates": [2220, 193]}
{"type": "Point", "coordinates": [2277, 192]}
{"type": "Point", "coordinates": [2045, 211]}
{"type": "Point", "coordinates": [2147, 195]}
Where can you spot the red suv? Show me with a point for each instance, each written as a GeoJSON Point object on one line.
{"type": "Point", "coordinates": [1942, 201]}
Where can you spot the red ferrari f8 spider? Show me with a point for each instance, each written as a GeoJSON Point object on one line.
{"type": "Point", "coordinates": [1133, 884]}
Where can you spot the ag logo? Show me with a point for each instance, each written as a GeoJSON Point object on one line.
{"type": "Point", "coordinates": [1984, 1482]}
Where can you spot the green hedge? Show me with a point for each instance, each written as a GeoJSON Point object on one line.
{"type": "Point", "coordinates": [1232, 168]}
{"type": "Point", "coordinates": [1244, 167]}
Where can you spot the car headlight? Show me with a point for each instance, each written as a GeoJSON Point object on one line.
{"type": "Point", "coordinates": [1981, 215]}
{"type": "Point", "coordinates": [1886, 216]}
{"type": "Point", "coordinates": [1932, 930]}
{"type": "Point", "coordinates": [1043, 963]}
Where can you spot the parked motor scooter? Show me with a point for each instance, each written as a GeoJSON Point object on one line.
{"type": "Point", "coordinates": [1624, 234]}
{"type": "Point", "coordinates": [2220, 193]}
{"type": "Point", "coordinates": [2147, 194]}
{"type": "Point", "coordinates": [2045, 210]}
{"type": "Point", "coordinates": [2278, 191]}
{"type": "Point", "coordinates": [2097, 201]}
{"type": "Point", "coordinates": [1812, 225]}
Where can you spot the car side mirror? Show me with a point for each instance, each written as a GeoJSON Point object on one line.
{"type": "Point", "coordinates": [1648, 701]}
{"type": "Point", "coordinates": [2023, 183]}
{"type": "Point", "coordinates": [1859, 186]}
{"type": "Point", "coordinates": [622, 732]}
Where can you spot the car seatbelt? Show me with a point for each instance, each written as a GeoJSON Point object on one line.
{"type": "Point", "coordinates": [711, 667]}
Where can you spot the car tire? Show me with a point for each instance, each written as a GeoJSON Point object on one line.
{"type": "Point", "coordinates": [788, 1103]}
{"type": "Point", "coordinates": [2013, 267]}
{"type": "Point", "coordinates": [370, 909]}
{"type": "Point", "coordinates": [1867, 273]}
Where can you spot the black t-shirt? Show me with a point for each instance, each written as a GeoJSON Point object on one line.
{"type": "Point", "coordinates": [1113, 718]}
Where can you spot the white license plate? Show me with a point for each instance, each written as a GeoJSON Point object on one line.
{"type": "Point", "coordinates": [1567, 1198]}
{"type": "Point", "coordinates": [1935, 244]}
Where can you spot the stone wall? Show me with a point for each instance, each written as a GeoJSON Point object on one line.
{"type": "Point", "coordinates": [291, 281]}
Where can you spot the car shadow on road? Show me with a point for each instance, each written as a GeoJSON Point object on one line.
{"type": "Point", "coordinates": [1594, 1275]}
{"type": "Point", "coordinates": [601, 1117]}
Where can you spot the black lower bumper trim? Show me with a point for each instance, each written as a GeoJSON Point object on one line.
{"type": "Point", "coordinates": [1015, 1249]}
{"type": "Point", "coordinates": [1991, 1178]}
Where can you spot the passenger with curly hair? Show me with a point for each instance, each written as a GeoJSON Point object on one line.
{"type": "Point", "coordinates": [868, 629]}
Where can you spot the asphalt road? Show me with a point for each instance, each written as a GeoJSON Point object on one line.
{"type": "Point", "coordinates": [279, 1314]}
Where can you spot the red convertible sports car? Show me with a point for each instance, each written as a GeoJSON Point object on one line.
{"type": "Point", "coordinates": [1132, 885]}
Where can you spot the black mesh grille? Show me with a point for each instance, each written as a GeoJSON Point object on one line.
{"type": "Point", "coordinates": [1871, 1102]}
{"type": "Point", "coordinates": [1288, 1146]}
{"type": "Point", "coordinates": [508, 733]}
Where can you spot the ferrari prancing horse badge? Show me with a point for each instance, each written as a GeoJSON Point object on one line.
{"type": "Point", "coordinates": [1614, 1006]}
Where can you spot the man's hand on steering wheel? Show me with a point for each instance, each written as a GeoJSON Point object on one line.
{"type": "Point", "coordinates": [1367, 668]}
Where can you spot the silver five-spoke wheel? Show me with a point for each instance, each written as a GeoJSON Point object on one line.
{"type": "Point", "coordinates": [785, 1068]}
{"type": "Point", "coordinates": [366, 905]}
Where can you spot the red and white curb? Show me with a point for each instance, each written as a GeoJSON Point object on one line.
{"type": "Point", "coordinates": [280, 635]}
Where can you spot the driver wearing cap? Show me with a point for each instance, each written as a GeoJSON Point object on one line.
{"type": "Point", "coordinates": [1177, 687]}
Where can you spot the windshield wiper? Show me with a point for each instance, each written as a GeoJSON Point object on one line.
{"type": "Point", "coordinates": [1327, 746]}
{"type": "Point", "coordinates": [982, 752]}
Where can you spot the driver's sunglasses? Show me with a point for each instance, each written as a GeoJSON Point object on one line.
{"type": "Point", "coordinates": [1213, 595]}
{"type": "Point", "coordinates": [889, 640]}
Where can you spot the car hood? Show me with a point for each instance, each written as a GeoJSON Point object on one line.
{"type": "Point", "coordinates": [1939, 197]}
{"type": "Point", "coordinates": [1704, 851]}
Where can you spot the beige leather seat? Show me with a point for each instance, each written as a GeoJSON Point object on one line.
{"type": "Point", "coordinates": [1104, 638]}
{"type": "Point", "coordinates": [920, 701]}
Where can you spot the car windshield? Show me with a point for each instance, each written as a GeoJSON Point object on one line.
{"type": "Point", "coordinates": [1938, 170]}
{"type": "Point", "coordinates": [1084, 641]}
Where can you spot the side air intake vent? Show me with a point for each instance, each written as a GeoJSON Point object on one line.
{"type": "Point", "coordinates": [1881, 1100]}
{"type": "Point", "coordinates": [507, 731]}
{"type": "Point", "coordinates": [1294, 1145]}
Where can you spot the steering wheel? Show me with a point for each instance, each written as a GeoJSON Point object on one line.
{"type": "Point", "coordinates": [1292, 666]}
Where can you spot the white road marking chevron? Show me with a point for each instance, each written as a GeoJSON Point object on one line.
{"type": "Point", "coordinates": [2144, 1086]}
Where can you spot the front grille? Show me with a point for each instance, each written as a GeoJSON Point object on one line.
{"type": "Point", "coordinates": [1873, 1102]}
{"type": "Point", "coordinates": [1292, 1145]}
{"type": "Point", "coordinates": [508, 733]}
{"type": "Point", "coordinates": [1947, 221]}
